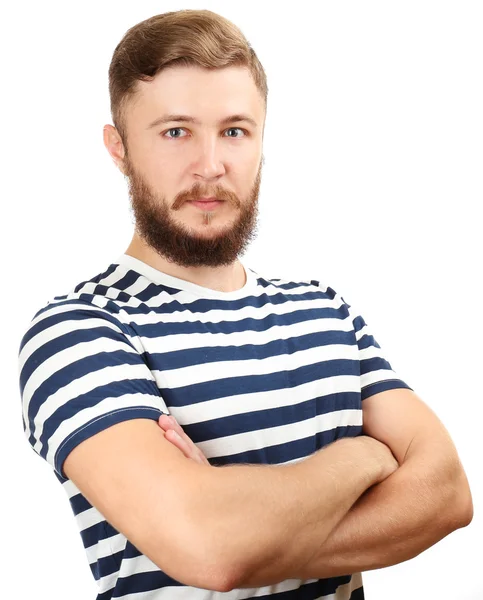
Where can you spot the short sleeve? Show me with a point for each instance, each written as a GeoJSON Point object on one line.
{"type": "Point", "coordinates": [81, 370]}
{"type": "Point", "coordinates": [377, 374]}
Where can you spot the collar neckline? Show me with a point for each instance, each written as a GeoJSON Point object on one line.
{"type": "Point", "coordinates": [162, 278]}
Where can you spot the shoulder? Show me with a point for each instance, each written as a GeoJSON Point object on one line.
{"type": "Point", "coordinates": [318, 287]}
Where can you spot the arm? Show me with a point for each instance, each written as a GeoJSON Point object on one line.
{"type": "Point", "coordinates": [427, 498]}
{"type": "Point", "coordinates": [207, 526]}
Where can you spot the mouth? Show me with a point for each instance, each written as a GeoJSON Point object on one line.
{"type": "Point", "coordinates": [206, 204]}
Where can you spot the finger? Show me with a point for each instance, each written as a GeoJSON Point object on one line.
{"type": "Point", "coordinates": [165, 422]}
{"type": "Point", "coordinates": [175, 439]}
{"type": "Point", "coordinates": [180, 431]}
{"type": "Point", "coordinates": [189, 449]}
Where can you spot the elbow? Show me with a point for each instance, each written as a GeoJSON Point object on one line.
{"type": "Point", "coordinates": [460, 509]}
{"type": "Point", "coordinates": [193, 557]}
{"type": "Point", "coordinates": [465, 513]}
{"type": "Point", "coordinates": [216, 576]}
{"type": "Point", "coordinates": [217, 572]}
{"type": "Point", "coordinates": [201, 571]}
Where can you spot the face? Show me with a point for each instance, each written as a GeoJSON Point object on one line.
{"type": "Point", "coordinates": [170, 164]}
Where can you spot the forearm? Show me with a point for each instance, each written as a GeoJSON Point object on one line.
{"type": "Point", "coordinates": [419, 504]}
{"type": "Point", "coordinates": [268, 521]}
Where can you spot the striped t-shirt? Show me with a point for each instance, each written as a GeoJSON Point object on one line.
{"type": "Point", "coordinates": [267, 374]}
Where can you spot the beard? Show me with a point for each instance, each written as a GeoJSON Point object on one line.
{"type": "Point", "coordinates": [180, 244]}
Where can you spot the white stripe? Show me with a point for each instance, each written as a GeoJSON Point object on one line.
{"type": "Point", "coordinates": [250, 402]}
{"type": "Point", "coordinates": [362, 332]}
{"type": "Point", "coordinates": [118, 273]}
{"type": "Point", "coordinates": [58, 330]}
{"type": "Point", "coordinates": [70, 488]}
{"type": "Point", "coordinates": [53, 364]}
{"type": "Point", "coordinates": [192, 593]}
{"type": "Point", "coordinates": [108, 582]}
{"type": "Point", "coordinates": [84, 385]}
{"type": "Point", "coordinates": [370, 352]}
{"type": "Point", "coordinates": [56, 309]}
{"type": "Point", "coordinates": [377, 376]}
{"type": "Point", "coordinates": [187, 298]}
{"type": "Point", "coordinates": [227, 315]}
{"type": "Point", "coordinates": [213, 371]}
{"type": "Point", "coordinates": [264, 438]}
{"type": "Point", "coordinates": [105, 547]}
{"type": "Point", "coordinates": [138, 286]}
{"type": "Point", "coordinates": [182, 341]}
{"type": "Point", "coordinates": [88, 518]}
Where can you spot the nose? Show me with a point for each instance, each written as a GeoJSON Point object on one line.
{"type": "Point", "coordinates": [209, 163]}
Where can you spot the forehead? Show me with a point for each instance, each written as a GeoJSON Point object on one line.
{"type": "Point", "coordinates": [206, 94]}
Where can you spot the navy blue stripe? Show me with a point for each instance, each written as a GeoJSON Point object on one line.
{"type": "Point", "coordinates": [286, 346]}
{"type": "Point", "coordinates": [127, 280]}
{"type": "Point", "coordinates": [91, 535]}
{"type": "Point", "coordinates": [113, 389]}
{"type": "Point", "coordinates": [78, 369]}
{"type": "Point", "coordinates": [144, 582]}
{"type": "Point", "coordinates": [376, 363]}
{"type": "Point", "coordinates": [280, 453]}
{"type": "Point", "coordinates": [366, 341]}
{"type": "Point", "coordinates": [357, 594]}
{"type": "Point", "coordinates": [150, 291]}
{"type": "Point", "coordinates": [68, 340]}
{"type": "Point", "coordinates": [286, 285]}
{"type": "Point", "coordinates": [311, 591]}
{"type": "Point", "coordinates": [79, 504]}
{"type": "Point", "coordinates": [272, 417]}
{"type": "Point", "coordinates": [204, 305]}
{"type": "Point", "coordinates": [131, 551]}
{"type": "Point", "coordinates": [76, 314]}
{"type": "Point", "coordinates": [106, 565]}
{"type": "Point", "coordinates": [161, 329]}
{"type": "Point", "coordinates": [250, 384]}
{"type": "Point", "coordinates": [383, 386]}
{"type": "Point", "coordinates": [154, 580]}
{"type": "Point", "coordinates": [97, 278]}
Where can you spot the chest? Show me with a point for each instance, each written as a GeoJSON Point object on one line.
{"type": "Point", "coordinates": [260, 392]}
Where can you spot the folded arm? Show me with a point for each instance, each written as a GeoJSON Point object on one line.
{"type": "Point", "coordinates": [210, 527]}
{"type": "Point", "coordinates": [427, 498]}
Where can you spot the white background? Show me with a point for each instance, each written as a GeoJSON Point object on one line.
{"type": "Point", "coordinates": [372, 183]}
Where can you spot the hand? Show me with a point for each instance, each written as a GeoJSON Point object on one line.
{"type": "Point", "coordinates": [385, 458]}
{"type": "Point", "coordinates": [174, 433]}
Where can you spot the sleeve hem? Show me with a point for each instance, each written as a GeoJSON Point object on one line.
{"type": "Point", "coordinates": [97, 425]}
{"type": "Point", "coordinates": [383, 386]}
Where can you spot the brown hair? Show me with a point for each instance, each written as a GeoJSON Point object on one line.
{"type": "Point", "coordinates": [185, 37]}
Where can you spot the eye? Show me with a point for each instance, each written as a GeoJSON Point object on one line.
{"type": "Point", "coordinates": [176, 137]}
{"type": "Point", "coordinates": [234, 129]}
{"type": "Point", "coordinates": [174, 129]}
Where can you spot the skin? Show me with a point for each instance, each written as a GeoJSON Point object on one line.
{"type": "Point", "coordinates": [170, 164]}
{"type": "Point", "coordinates": [428, 496]}
{"type": "Point", "coordinates": [174, 433]}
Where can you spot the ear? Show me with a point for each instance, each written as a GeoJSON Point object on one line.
{"type": "Point", "coordinates": [114, 145]}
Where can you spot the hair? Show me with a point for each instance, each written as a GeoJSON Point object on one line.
{"type": "Point", "coordinates": [185, 37]}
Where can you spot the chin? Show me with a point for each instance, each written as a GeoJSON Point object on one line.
{"type": "Point", "coordinates": [205, 230]}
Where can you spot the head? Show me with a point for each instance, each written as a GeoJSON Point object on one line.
{"type": "Point", "coordinates": [188, 102]}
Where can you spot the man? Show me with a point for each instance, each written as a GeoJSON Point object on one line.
{"type": "Point", "coordinates": [297, 457]}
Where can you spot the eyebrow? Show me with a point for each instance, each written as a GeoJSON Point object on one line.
{"type": "Point", "coordinates": [187, 119]}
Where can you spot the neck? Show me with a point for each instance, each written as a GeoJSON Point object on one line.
{"type": "Point", "coordinates": [225, 278]}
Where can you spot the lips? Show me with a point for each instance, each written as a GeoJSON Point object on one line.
{"type": "Point", "coordinates": [206, 204]}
